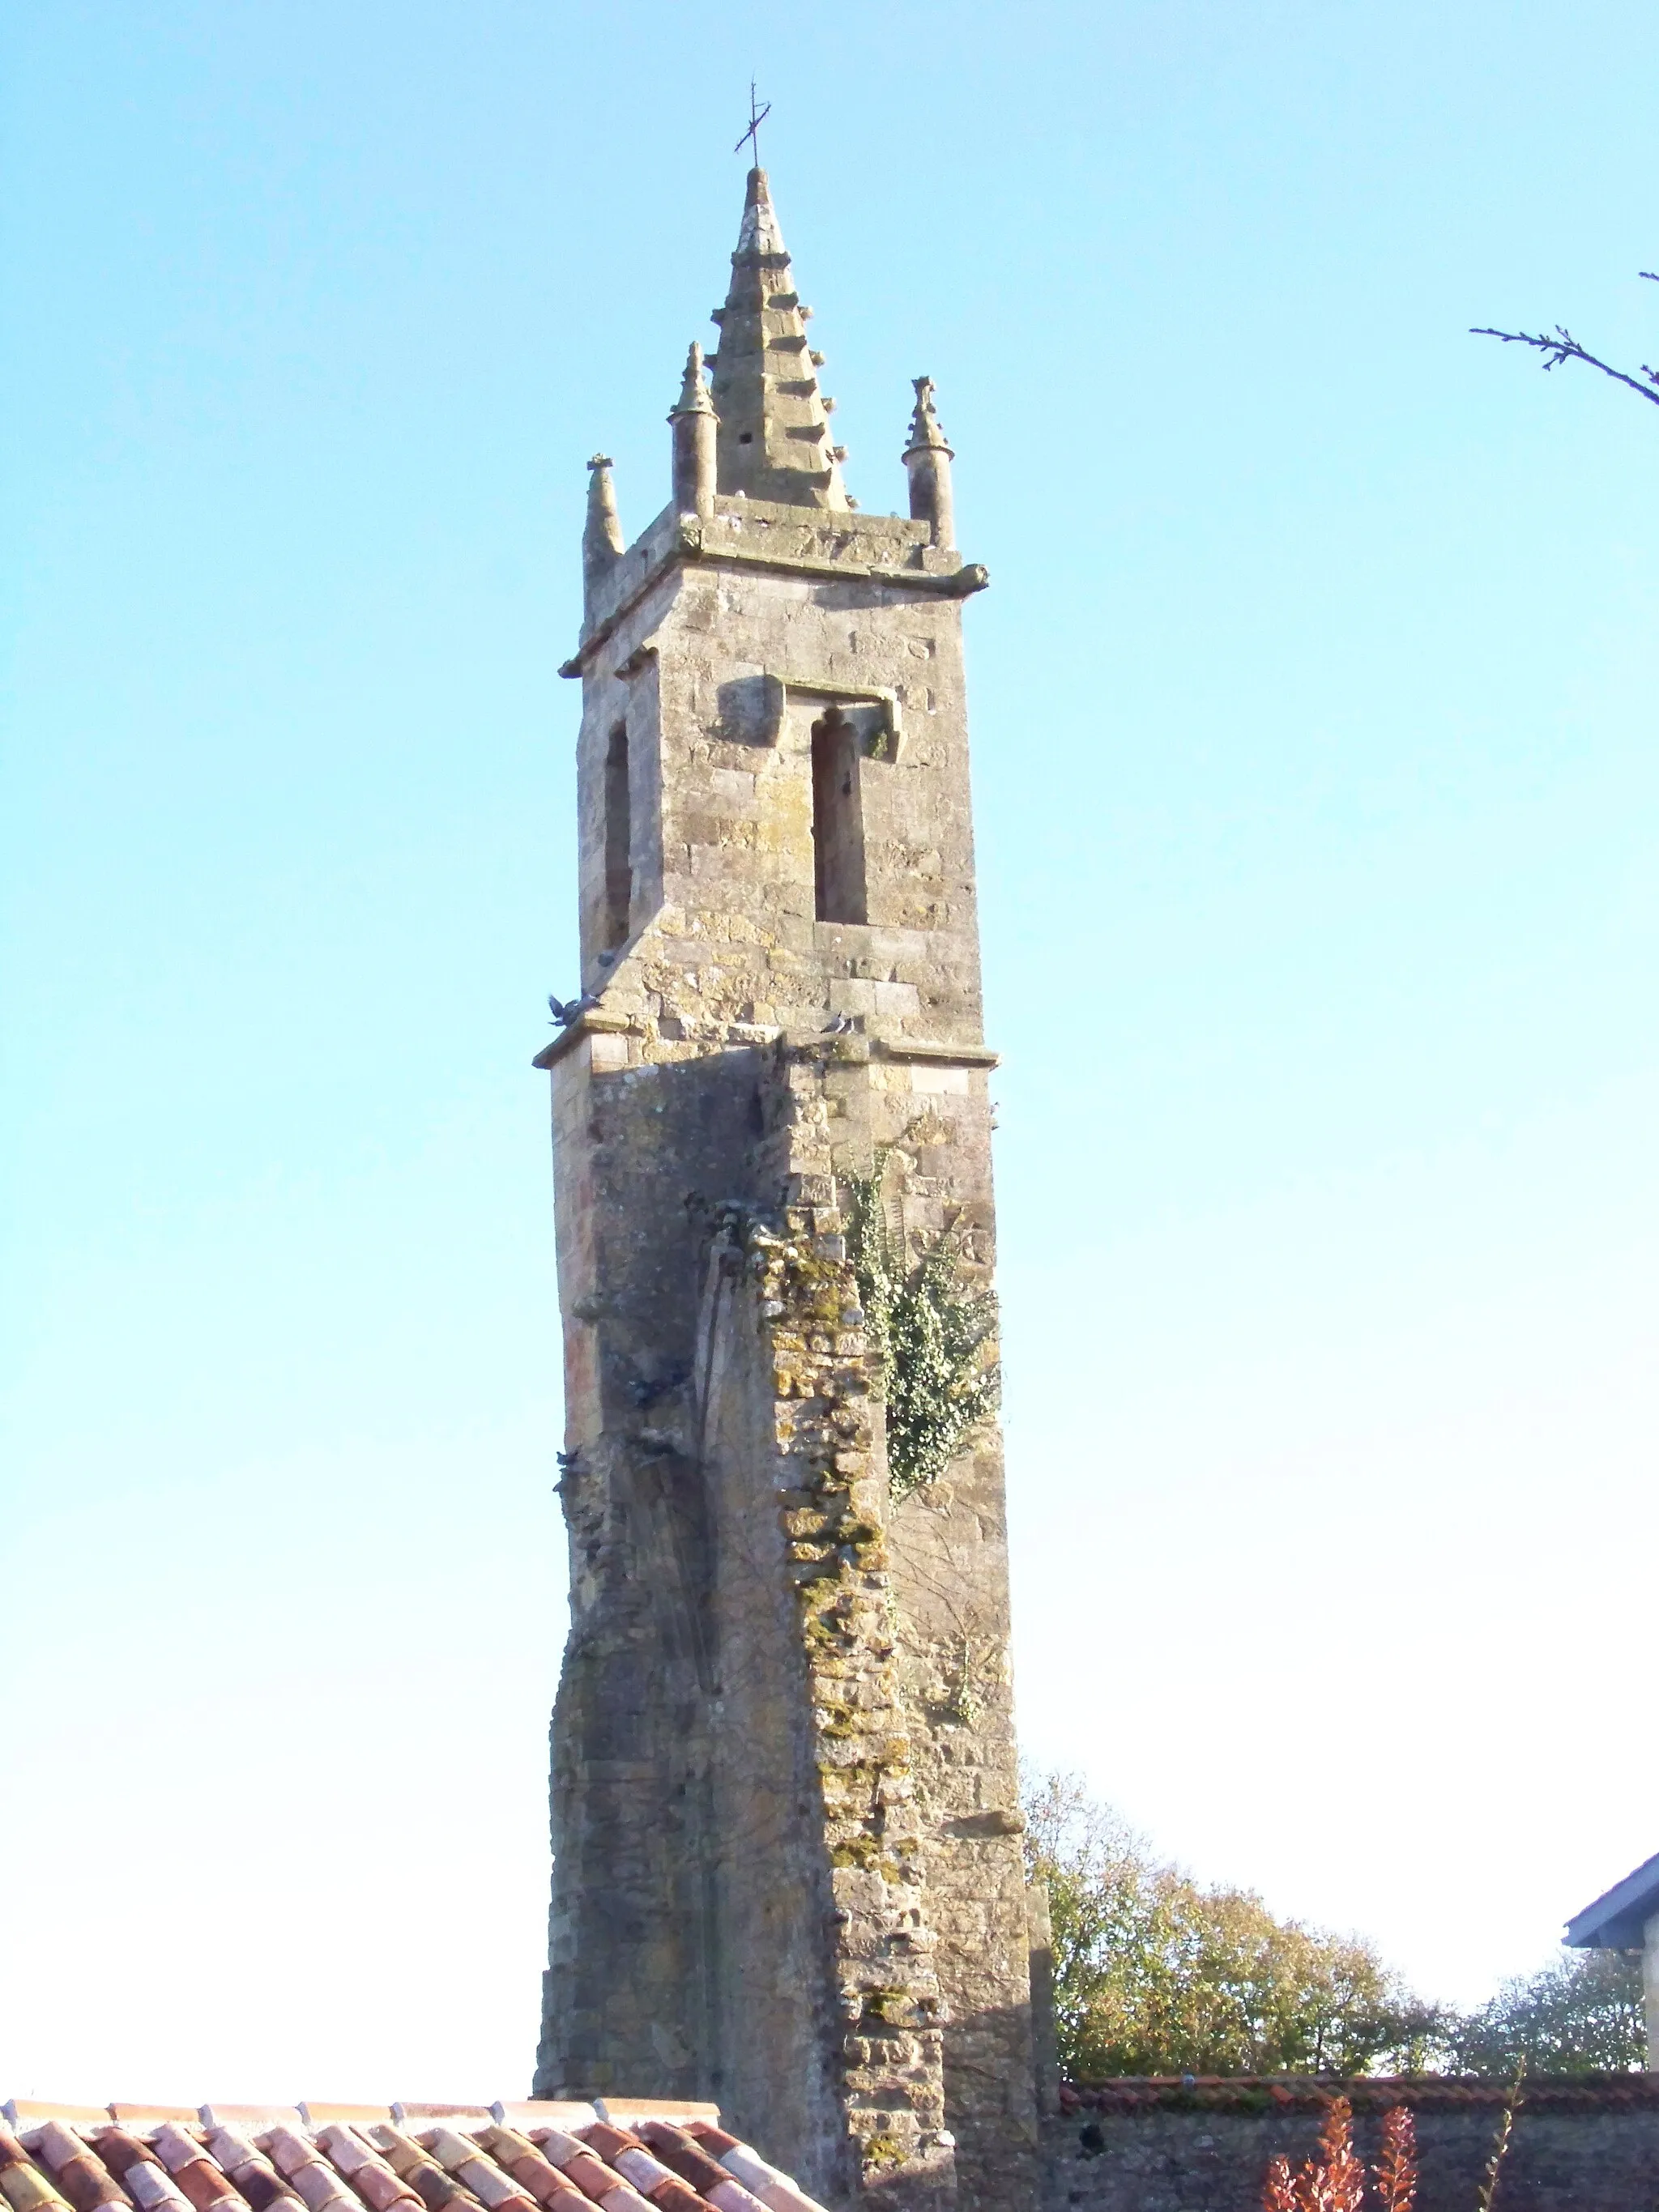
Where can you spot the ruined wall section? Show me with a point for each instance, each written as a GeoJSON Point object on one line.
{"type": "Point", "coordinates": [828, 1958]}
{"type": "Point", "coordinates": [775, 2028]}
{"type": "Point", "coordinates": [626, 1997]}
{"type": "Point", "coordinates": [947, 1544]}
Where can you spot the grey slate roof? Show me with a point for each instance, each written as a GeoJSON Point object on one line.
{"type": "Point", "coordinates": [1616, 1920]}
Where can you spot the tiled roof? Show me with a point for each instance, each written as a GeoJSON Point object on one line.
{"type": "Point", "coordinates": [1376, 2093]}
{"type": "Point", "coordinates": [398, 2158]}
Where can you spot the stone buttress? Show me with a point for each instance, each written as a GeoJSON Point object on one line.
{"type": "Point", "coordinates": [787, 1871]}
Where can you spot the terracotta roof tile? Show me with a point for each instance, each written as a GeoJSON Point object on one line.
{"type": "Point", "coordinates": [714, 2183]}
{"type": "Point", "coordinates": [622, 2114]}
{"type": "Point", "coordinates": [657, 2183]}
{"type": "Point", "coordinates": [436, 2189]}
{"type": "Point", "coordinates": [29, 2114]}
{"type": "Point", "coordinates": [474, 2116]}
{"type": "Point", "coordinates": [629, 2156]}
{"type": "Point", "coordinates": [304, 2167]}
{"type": "Point", "coordinates": [22, 2185]}
{"type": "Point", "coordinates": [557, 2145]}
{"type": "Point", "coordinates": [1560, 2093]}
{"type": "Point", "coordinates": [781, 2192]}
{"type": "Point", "coordinates": [85, 2180]}
{"type": "Point", "coordinates": [204, 2183]}
{"type": "Point", "coordinates": [260, 2184]}
{"type": "Point", "coordinates": [375, 2180]}
{"type": "Point", "coordinates": [464, 2156]}
{"type": "Point", "coordinates": [243, 2116]}
{"type": "Point", "coordinates": [650, 2155]}
{"type": "Point", "coordinates": [537, 2175]}
{"type": "Point", "coordinates": [585, 2169]}
{"type": "Point", "coordinates": [139, 2171]}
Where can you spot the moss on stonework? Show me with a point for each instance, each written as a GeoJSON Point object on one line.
{"type": "Point", "coordinates": [862, 1852]}
{"type": "Point", "coordinates": [838, 1562]}
{"type": "Point", "coordinates": [882, 2153]}
{"type": "Point", "coordinates": [856, 1531]}
{"type": "Point", "coordinates": [894, 2007]}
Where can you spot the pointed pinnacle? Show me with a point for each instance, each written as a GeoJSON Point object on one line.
{"type": "Point", "coordinates": [925, 432]}
{"type": "Point", "coordinates": [602, 534]}
{"type": "Point", "coordinates": [759, 233]}
{"type": "Point", "coordinates": [694, 397]}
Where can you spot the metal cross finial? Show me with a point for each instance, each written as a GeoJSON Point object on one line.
{"type": "Point", "coordinates": [756, 117]}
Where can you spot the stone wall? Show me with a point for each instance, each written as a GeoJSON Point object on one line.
{"type": "Point", "coordinates": [1160, 2147]}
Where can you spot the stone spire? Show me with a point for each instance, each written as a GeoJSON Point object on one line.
{"type": "Point", "coordinates": [602, 537]}
{"type": "Point", "coordinates": [775, 439]}
{"type": "Point", "coordinates": [695, 424]}
{"type": "Point", "coordinates": [927, 458]}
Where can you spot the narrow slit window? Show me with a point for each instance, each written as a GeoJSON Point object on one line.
{"type": "Point", "coordinates": [618, 841]}
{"type": "Point", "coordinates": [837, 821]}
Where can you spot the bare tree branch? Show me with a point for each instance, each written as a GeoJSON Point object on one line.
{"type": "Point", "coordinates": [1563, 346]}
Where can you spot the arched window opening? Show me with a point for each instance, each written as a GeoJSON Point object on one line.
{"type": "Point", "coordinates": [618, 841]}
{"type": "Point", "coordinates": [837, 821]}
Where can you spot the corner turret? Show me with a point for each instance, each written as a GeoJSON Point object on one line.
{"type": "Point", "coordinates": [927, 460]}
{"type": "Point", "coordinates": [695, 426]}
{"type": "Point", "coordinates": [602, 537]}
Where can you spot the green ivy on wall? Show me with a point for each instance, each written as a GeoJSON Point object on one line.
{"type": "Point", "coordinates": [934, 1334]}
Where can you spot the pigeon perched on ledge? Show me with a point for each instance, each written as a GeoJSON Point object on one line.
{"type": "Point", "coordinates": [566, 1010]}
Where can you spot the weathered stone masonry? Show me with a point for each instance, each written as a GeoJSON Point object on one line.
{"type": "Point", "coordinates": [786, 1844]}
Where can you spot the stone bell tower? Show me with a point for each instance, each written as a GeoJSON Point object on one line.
{"type": "Point", "coordinates": [787, 1871]}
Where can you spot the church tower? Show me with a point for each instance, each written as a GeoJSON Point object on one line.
{"type": "Point", "coordinates": [788, 1872]}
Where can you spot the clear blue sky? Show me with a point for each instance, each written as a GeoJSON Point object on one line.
{"type": "Point", "coordinates": [1314, 718]}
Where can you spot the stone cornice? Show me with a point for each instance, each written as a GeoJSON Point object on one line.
{"type": "Point", "coordinates": [592, 1024]}
{"type": "Point", "coordinates": [943, 1056]}
{"type": "Point", "coordinates": [688, 542]}
{"type": "Point", "coordinates": [854, 1046]}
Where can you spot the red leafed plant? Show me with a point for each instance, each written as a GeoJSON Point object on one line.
{"type": "Point", "coordinates": [1334, 2180]}
{"type": "Point", "coordinates": [1279, 2192]}
{"type": "Point", "coordinates": [1396, 2170]}
{"type": "Point", "coordinates": [1341, 2173]}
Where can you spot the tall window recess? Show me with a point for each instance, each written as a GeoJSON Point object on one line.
{"type": "Point", "coordinates": [618, 841]}
{"type": "Point", "coordinates": [837, 821]}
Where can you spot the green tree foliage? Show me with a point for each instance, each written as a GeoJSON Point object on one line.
{"type": "Point", "coordinates": [933, 1332]}
{"type": "Point", "coordinates": [1154, 1974]}
{"type": "Point", "coordinates": [1582, 2015]}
